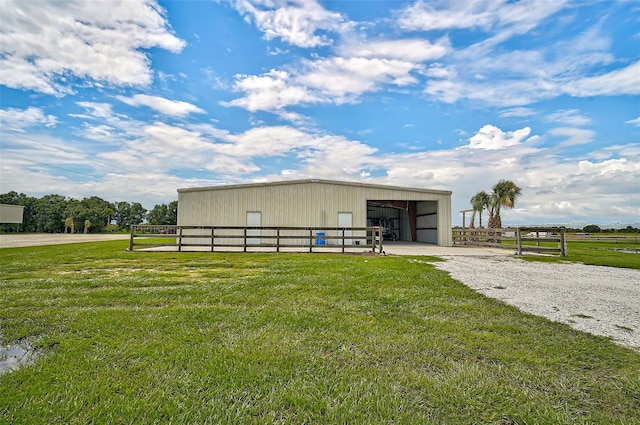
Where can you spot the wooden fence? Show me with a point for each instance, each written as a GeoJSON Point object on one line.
{"type": "Point", "coordinates": [627, 239]}
{"type": "Point", "coordinates": [548, 240]}
{"type": "Point", "coordinates": [244, 238]}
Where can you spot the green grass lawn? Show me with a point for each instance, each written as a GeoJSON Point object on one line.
{"type": "Point", "coordinates": [135, 337]}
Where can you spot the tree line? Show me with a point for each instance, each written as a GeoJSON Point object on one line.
{"type": "Point", "coordinates": [48, 213]}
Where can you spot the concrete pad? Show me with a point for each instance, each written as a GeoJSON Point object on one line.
{"type": "Point", "coordinates": [417, 248]}
{"type": "Point", "coordinates": [389, 247]}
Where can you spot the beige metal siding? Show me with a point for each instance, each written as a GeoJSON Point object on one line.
{"type": "Point", "coordinates": [300, 203]}
{"type": "Point", "coordinates": [11, 213]}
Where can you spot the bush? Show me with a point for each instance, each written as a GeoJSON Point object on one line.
{"type": "Point", "coordinates": [592, 228]}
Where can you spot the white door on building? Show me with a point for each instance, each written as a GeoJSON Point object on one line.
{"type": "Point", "coordinates": [253, 219]}
{"type": "Point", "coordinates": [346, 220]}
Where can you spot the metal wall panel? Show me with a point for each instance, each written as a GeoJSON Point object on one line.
{"type": "Point", "coordinates": [303, 203]}
{"type": "Point", "coordinates": [11, 213]}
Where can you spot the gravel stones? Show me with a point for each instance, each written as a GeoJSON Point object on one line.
{"type": "Point", "coordinates": [600, 300]}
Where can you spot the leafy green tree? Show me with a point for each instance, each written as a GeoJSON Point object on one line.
{"type": "Point", "coordinates": [107, 214]}
{"type": "Point", "coordinates": [122, 214]}
{"type": "Point", "coordinates": [592, 228]}
{"type": "Point", "coordinates": [479, 202]}
{"type": "Point", "coordinates": [93, 209]}
{"type": "Point", "coordinates": [172, 213]}
{"type": "Point", "coordinates": [138, 213]}
{"type": "Point", "coordinates": [157, 214]}
{"type": "Point", "coordinates": [50, 214]}
{"type": "Point", "coordinates": [504, 194]}
{"type": "Point", "coordinates": [74, 210]}
{"type": "Point", "coordinates": [164, 214]}
{"type": "Point", "coordinates": [126, 214]}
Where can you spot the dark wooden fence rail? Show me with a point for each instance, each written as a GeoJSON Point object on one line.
{"type": "Point", "coordinates": [549, 240]}
{"type": "Point", "coordinates": [247, 237]}
{"type": "Point", "coordinates": [632, 239]}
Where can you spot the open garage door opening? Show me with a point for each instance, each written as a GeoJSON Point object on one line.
{"type": "Point", "coordinates": [414, 221]}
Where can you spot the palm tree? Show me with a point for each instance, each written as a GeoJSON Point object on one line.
{"type": "Point", "coordinates": [479, 202]}
{"type": "Point", "coordinates": [504, 194]}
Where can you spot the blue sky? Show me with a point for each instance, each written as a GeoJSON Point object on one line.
{"type": "Point", "coordinates": [130, 100]}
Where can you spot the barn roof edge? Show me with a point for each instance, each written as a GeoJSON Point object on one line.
{"type": "Point", "coordinates": [306, 181]}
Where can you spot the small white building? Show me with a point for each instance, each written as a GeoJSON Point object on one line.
{"type": "Point", "coordinates": [11, 213]}
{"type": "Point", "coordinates": [408, 214]}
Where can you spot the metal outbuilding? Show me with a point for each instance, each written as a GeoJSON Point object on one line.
{"type": "Point", "coordinates": [404, 213]}
{"type": "Point", "coordinates": [11, 213]}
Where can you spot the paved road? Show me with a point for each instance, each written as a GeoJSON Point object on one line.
{"type": "Point", "coordinates": [35, 239]}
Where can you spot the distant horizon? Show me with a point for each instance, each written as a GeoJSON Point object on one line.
{"type": "Point", "coordinates": [572, 225]}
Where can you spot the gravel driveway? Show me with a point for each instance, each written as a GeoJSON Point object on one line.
{"type": "Point", "coordinates": [600, 300]}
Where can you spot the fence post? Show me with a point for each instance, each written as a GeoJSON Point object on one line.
{"type": "Point", "coordinates": [133, 229]}
{"type": "Point", "coordinates": [179, 239]}
{"type": "Point", "coordinates": [563, 243]}
{"type": "Point", "coordinates": [245, 240]}
{"type": "Point", "coordinates": [373, 239]}
{"type": "Point", "coordinates": [278, 240]}
{"type": "Point", "coordinates": [212, 237]}
{"type": "Point", "coordinates": [310, 239]}
{"type": "Point", "coordinates": [519, 240]}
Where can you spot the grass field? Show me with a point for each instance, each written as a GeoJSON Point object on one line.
{"type": "Point", "coordinates": [599, 253]}
{"type": "Point", "coordinates": [135, 337]}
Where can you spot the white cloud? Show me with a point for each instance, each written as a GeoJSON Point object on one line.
{"type": "Point", "coordinates": [45, 43]}
{"type": "Point", "coordinates": [518, 17]}
{"type": "Point", "coordinates": [574, 136]}
{"type": "Point", "coordinates": [174, 108]}
{"type": "Point", "coordinates": [96, 109]}
{"type": "Point", "coordinates": [19, 119]}
{"type": "Point", "coordinates": [629, 150]}
{"type": "Point", "coordinates": [497, 76]}
{"type": "Point", "coordinates": [111, 127]}
{"type": "Point", "coordinates": [102, 132]}
{"type": "Point", "coordinates": [340, 77]}
{"type": "Point", "coordinates": [624, 81]}
{"type": "Point", "coordinates": [426, 16]}
{"type": "Point", "coordinates": [517, 112]}
{"type": "Point", "coordinates": [569, 117]}
{"type": "Point", "coordinates": [410, 50]}
{"type": "Point", "coordinates": [297, 22]}
{"type": "Point", "coordinates": [273, 90]}
{"type": "Point", "coordinates": [635, 122]}
{"type": "Point", "coordinates": [491, 137]}
{"type": "Point", "coordinates": [437, 70]}
{"type": "Point", "coordinates": [480, 72]}
{"type": "Point", "coordinates": [554, 188]}
{"type": "Point", "coordinates": [335, 80]}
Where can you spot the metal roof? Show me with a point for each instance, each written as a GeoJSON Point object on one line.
{"type": "Point", "coordinates": [306, 181]}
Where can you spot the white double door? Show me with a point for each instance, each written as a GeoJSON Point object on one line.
{"type": "Point", "coordinates": [254, 218]}
{"type": "Point", "coordinates": [346, 220]}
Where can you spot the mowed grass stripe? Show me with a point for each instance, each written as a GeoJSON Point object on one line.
{"type": "Point", "coordinates": [288, 338]}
